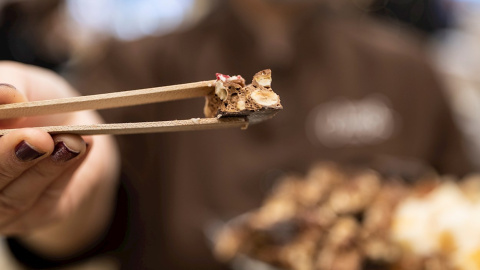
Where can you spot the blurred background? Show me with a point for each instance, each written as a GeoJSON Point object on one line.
{"type": "Point", "coordinates": [57, 34]}
{"type": "Point", "coordinates": [80, 25]}
{"type": "Point", "coordinates": [61, 35]}
{"type": "Point", "coordinates": [52, 33]}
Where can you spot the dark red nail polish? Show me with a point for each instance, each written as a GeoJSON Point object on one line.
{"type": "Point", "coordinates": [61, 153]}
{"type": "Point", "coordinates": [25, 152]}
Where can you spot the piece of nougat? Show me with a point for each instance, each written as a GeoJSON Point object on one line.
{"type": "Point", "coordinates": [233, 98]}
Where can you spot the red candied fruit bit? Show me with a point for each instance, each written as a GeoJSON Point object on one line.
{"type": "Point", "coordinates": [220, 76]}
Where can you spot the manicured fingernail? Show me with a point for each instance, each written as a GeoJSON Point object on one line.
{"type": "Point", "coordinates": [7, 85]}
{"type": "Point", "coordinates": [62, 153]}
{"type": "Point", "coordinates": [25, 152]}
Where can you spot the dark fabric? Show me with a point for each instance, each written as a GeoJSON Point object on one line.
{"type": "Point", "coordinates": [428, 16]}
{"type": "Point", "coordinates": [24, 26]}
{"type": "Point", "coordinates": [184, 182]}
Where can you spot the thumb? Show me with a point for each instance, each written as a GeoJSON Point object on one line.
{"type": "Point", "coordinates": [9, 94]}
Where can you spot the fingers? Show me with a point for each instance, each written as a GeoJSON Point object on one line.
{"type": "Point", "coordinates": [20, 150]}
{"type": "Point", "coordinates": [55, 202]}
{"type": "Point", "coordinates": [24, 191]}
{"type": "Point", "coordinates": [9, 94]}
{"type": "Point", "coordinates": [52, 204]}
{"type": "Point", "coordinates": [35, 84]}
{"type": "Point", "coordinates": [56, 189]}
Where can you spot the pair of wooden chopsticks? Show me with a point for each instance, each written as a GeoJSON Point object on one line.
{"type": "Point", "coordinates": [123, 99]}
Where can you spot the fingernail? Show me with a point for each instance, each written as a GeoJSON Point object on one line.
{"type": "Point", "coordinates": [25, 152]}
{"type": "Point", "coordinates": [7, 85]}
{"type": "Point", "coordinates": [61, 153]}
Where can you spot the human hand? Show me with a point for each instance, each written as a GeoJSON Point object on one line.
{"type": "Point", "coordinates": [56, 192]}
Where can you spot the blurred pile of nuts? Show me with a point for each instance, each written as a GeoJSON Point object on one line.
{"type": "Point", "coordinates": [338, 218]}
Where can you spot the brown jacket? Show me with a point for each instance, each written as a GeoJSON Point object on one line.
{"type": "Point", "coordinates": [352, 91]}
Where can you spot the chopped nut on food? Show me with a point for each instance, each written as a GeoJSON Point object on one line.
{"type": "Point", "coordinates": [233, 98]}
{"type": "Point", "coordinates": [263, 78]}
{"type": "Point", "coordinates": [356, 194]}
{"type": "Point", "coordinates": [343, 233]}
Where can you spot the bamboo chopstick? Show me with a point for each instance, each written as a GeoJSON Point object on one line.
{"type": "Point", "coordinates": [146, 127]}
{"type": "Point", "coordinates": [130, 98]}
{"type": "Point", "coordinates": [109, 100]}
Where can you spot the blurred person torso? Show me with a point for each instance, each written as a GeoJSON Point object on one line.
{"type": "Point", "coordinates": [353, 91]}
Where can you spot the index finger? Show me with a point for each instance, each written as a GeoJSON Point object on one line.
{"type": "Point", "coordinates": [9, 94]}
{"type": "Point", "coordinates": [35, 84]}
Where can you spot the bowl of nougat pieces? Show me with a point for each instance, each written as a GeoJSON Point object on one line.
{"type": "Point", "coordinates": [338, 218]}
